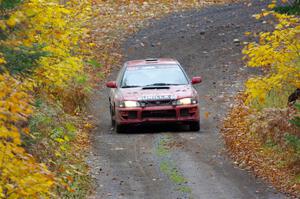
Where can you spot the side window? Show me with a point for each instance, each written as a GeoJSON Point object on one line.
{"type": "Point", "coordinates": [120, 75]}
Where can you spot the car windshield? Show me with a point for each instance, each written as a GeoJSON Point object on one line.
{"type": "Point", "coordinates": [157, 75]}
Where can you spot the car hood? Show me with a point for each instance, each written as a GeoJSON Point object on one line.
{"type": "Point", "coordinates": [175, 92]}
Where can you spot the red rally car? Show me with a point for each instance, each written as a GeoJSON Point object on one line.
{"type": "Point", "coordinates": [153, 91]}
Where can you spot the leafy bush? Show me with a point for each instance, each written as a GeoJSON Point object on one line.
{"type": "Point", "coordinates": [292, 9]}
{"type": "Point", "coordinates": [22, 59]}
{"type": "Point", "coordinates": [43, 37]}
{"type": "Point", "coordinates": [21, 176]}
{"type": "Point", "coordinates": [53, 142]}
{"type": "Point", "coordinates": [277, 54]}
{"type": "Point", "coordinates": [9, 4]}
{"type": "Point", "coordinates": [273, 98]}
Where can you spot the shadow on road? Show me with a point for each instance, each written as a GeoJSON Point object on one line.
{"type": "Point", "coordinates": [158, 128]}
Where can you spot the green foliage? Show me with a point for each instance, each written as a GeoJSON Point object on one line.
{"type": "Point", "coordinates": [293, 141]}
{"type": "Point", "coordinates": [296, 119]}
{"type": "Point", "coordinates": [172, 172]}
{"type": "Point", "coordinates": [277, 99]}
{"type": "Point", "coordinates": [94, 63]}
{"type": "Point", "coordinates": [52, 143]}
{"type": "Point", "coordinates": [270, 143]}
{"type": "Point", "coordinates": [45, 123]}
{"type": "Point", "coordinates": [9, 4]}
{"type": "Point", "coordinates": [297, 179]}
{"type": "Point", "coordinates": [100, 75]}
{"type": "Point", "coordinates": [161, 149]}
{"type": "Point", "coordinates": [291, 10]}
{"type": "Point", "coordinates": [22, 59]}
{"type": "Point", "coordinates": [185, 189]}
{"type": "Point", "coordinates": [82, 79]}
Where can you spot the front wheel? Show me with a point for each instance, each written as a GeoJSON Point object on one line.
{"type": "Point", "coordinates": [120, 128]}
{"type": "Point", "coordinates": [194, 126]}
{"type": "Point", "coordinates": [112, 115]}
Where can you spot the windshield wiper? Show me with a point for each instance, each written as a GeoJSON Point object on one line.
{"type": "Point", "coordinates": [161, 84]}
{"type": "Point", "coordinates": [130, 86]}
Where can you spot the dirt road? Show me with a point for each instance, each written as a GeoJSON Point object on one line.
{"type": "Point", "coordinates": [165, 162]}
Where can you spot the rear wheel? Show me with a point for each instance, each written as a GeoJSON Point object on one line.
{"type": "Point", "coordinates": [194, 126]}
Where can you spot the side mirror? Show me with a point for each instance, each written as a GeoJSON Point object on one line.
{"type": "Point", "coordinates": [196, 80]}
{"type": "Point", "coordinates": [111, 84]}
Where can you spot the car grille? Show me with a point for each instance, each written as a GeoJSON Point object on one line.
{"type": "Point", "coordinates": [184, 112]}
{"type": "Point", "coordinates": [159, 114]}
{"type": "Point", "coordinates": [156, 103]}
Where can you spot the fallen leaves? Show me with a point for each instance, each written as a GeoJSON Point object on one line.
{"type": "Point", "coordinates": [255, 144]}
{"type": "Point", "coordinates": [262, 139]}
{"type": "Point", "coordinates": [206, 115]}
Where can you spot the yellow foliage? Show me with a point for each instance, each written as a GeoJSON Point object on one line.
{"type": "Point", "coordinates": [278, 53]}
{"type": "Point", "coordinates": [21, 176]}
{"type": "Point", "coordinates": [59, 29]}
{"type": "Point", "coordinates": [54, 74]}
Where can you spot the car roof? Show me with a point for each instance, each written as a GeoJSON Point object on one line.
{"type": "Point", "coordinates": [151, 61]}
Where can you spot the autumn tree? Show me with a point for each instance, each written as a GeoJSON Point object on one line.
{"type": "Point", "coordinates": [278, 54]}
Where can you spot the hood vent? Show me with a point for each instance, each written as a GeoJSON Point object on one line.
{"type": "Point", "coordinates": [151, 59]}
{"type": "Point", "coordinates": [155, 87]}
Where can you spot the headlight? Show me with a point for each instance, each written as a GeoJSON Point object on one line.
{"type": "Point", "coordinates": [187, 101]}
{"type": "Point", "coordinates": [129, 104]}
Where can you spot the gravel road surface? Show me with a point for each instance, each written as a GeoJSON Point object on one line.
{"type": "Point", "coordinates": [167, 162]}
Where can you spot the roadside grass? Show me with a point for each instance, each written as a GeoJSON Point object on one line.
{"type": "Point", "coordinates": [278, 99]}
{"type": "Point", "coordinates": [61, 144]}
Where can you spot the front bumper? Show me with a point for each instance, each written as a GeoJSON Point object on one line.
{"type": "Point", "coordinates": [157, 114]}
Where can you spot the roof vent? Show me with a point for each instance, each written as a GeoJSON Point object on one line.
{"type": "Point", "coordinates": [151, 59]}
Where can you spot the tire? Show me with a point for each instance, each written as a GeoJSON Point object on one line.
{"type": "Point", "coordinates": [120, 128]}
{"type": "Point", "coordinates": [194, 126]}
{"type": "Point", "coordinates": [113, 121]}
{"type": "Point", "coordinates": [117, 127]}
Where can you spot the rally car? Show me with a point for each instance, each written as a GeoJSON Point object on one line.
{"type": "Point", "coordinates": [153, 91]}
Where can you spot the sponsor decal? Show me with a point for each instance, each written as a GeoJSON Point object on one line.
{"type": "Point", "coordinates": [157, 97]}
